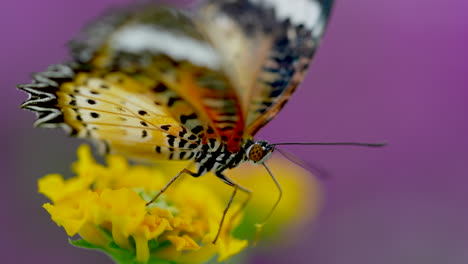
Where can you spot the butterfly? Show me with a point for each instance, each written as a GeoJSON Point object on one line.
{"type": "Point", "coordinates": [159, 83]}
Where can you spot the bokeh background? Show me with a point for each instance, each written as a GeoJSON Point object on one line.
{"type": "Point", "coordinates": [387, 70]}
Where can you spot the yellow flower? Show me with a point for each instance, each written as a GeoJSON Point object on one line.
{"type": "Point", "coordinates": [106, 206]}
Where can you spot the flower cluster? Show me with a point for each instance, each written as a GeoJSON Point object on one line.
{"type": "Point", "coordinates": [106, 206]}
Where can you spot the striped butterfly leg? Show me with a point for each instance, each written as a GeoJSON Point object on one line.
{"type": "Point", "coordinates": [187, 171]}
{"type": "Point", "coordinates": [236, 187]}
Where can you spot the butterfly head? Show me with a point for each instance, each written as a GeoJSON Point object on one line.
{"type": "Point", "coordinates": [259, 151]}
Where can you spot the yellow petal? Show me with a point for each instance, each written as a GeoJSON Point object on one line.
{"type": "Point", "coordinates": [152, 227]}
{"type": "Point", "coordinates": [52, 186]}
{"type": "Point", "coordinates": [124, 209]}
{"type": "Point", "coordinates": [86, 165]}
{"type": "Point", "coordinates": [183, 243]}
{"type": "Point", "coordinates": [142, 250]}
{"type": "Point", "coordinates": [67, 215]}
{"type": "Point", "coordinates": [230, 247]}
{"type": "Point", "coordinates": [93, 235]}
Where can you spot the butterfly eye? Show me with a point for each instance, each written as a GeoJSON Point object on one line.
{"type": "Point", "coordinates": [256, 153]}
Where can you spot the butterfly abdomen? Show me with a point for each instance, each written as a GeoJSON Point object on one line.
{"type": "Point", "coordinates": [218, 159]}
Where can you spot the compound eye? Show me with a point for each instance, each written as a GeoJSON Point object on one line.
{"type": "Point", "coordinates": [256, 153]}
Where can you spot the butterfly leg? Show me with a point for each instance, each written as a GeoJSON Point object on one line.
{"type": "Point", "coordinates": [170, 183]}
{"type": "Point", "coordinates": [280, 190]}
{"type": "Point", "coordinates": [231, 199]}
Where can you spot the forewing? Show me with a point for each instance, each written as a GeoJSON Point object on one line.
{"type": "Point", "coordinates": [172, 62]}
{"type": "Point", "coordinates": [194, 73]}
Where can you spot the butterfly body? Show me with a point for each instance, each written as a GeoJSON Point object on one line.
{"type": "Point", "coordinates": [159, 83]}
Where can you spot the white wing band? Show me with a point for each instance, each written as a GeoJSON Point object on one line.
{"type": "Point", "coordinates": [139, 38]}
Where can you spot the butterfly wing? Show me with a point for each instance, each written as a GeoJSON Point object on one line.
{"type": "Point", "coordinates": [146, 83]}
{"type": "Point", "coordinates": [197, 78]}
{"type": "Point", "coordinates": [277, 40]}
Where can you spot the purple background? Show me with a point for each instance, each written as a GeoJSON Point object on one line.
{"type": "Point", "coordinates": [388, 70]}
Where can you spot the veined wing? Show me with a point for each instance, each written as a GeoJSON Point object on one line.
{"type": "Point", "coordinates": [267, 46]}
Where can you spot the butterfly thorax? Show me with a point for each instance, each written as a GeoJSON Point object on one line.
{"type": "Point", "coordinates": [220, 158]}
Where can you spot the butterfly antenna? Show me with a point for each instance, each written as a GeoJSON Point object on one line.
{"type": "Point", "coordinates": [260, 226]}
{"type": "Point", "coordinates": [357, 144]}
{"type": "Point", "coordinates": [320, 172]}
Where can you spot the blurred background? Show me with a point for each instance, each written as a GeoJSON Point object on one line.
{"type": "Point", "coordinates": [387, 70]}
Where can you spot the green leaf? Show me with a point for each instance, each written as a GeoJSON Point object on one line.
{"type": "Point", "coordinates": [106, 233]}
{"type": "Point", "coordinates": [81, 243]}
{"type": "Point", "coordinates": [118, 254]}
